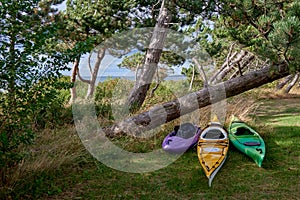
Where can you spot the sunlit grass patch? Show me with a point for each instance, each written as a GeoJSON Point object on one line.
{"type": "Point", "coordinates": [282, 119]}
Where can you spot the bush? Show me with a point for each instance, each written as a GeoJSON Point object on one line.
{"type": "Point", "coordinates": [106, 92]}
{"type": "Point", "coordinates": [52, 110]}
{"type": "Point", "coordinates": [24, 113]}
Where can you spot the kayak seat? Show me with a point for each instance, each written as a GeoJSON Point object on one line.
{"type": "Point", "coordinates": [185, 130]}
{"type": "Point", "coordinates": [243, 131]}
{"type": "Point", "coordinates": [251, 143]}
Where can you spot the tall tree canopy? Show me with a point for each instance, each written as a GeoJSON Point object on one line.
{"type": "Point", "coordinates": [246, 35]}
{"type": "Point", "coordinates": [29, 68]}
{"type": "Point", "coordinates": [269, 29]}
{"type": "Point", "coordinates": [26, 29]}
{"type": "Point", "coordinates": [86, 25]}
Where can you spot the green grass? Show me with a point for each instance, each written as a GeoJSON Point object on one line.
{"type": "Point", "coordinates": [83, 177]}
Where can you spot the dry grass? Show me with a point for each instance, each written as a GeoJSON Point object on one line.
{"type": "Point", "coordinates": [51, 150]}
{"type": "Point", "coordinates": [240, 106]}
{"type": "Point", "coordinates": [54, 148]}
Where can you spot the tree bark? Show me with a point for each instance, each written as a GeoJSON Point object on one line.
{"type": "Point", "coordinates": [202, 72]}
{"type": "Point", "coordinates": [291, 85]}
{"type": "Point", "coordinates": [94, 73]}
{"type": "Point", "coordinates": [192, 79]}
{"type": "Point", "coordinates": [153, 118]}
{"type": "Point", "coordinates": [242, 66]}
{"type": "Point", "coordinates": [73, 80]}
{"type": "Point", "coordinates": [157, 83]}
{"type": "Point", "coordinates": [152, 57]}
{"type": "Point", "coordinates": [281, 84]}
{"type": "Point", "coordinates": [12, 67]}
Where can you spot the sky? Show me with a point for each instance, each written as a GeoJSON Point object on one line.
{"type": "Point", "coordinates": [61, 6]}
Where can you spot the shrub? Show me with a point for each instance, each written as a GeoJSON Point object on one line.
{"type": "Point", "coordinates": [42, 105]}
{"type": "Point", "coordinates": [107, 93]}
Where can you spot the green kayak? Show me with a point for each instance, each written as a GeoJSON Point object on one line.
{"type": "Point", "coordinates": [246, 140]}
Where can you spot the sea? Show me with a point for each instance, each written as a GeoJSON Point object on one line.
{"type": "Point", "coordinates": [103, 78]}
{"type": "Point", "coordinates": [113, 71]}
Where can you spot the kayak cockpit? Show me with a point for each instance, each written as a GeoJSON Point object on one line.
{"type": "Point", "coordinates": [213, 133]}
{"type": "Point", "coordinates": [243, 131]}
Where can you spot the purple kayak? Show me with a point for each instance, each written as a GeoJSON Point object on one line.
{"type": "Point", "coordinates": [182, 138]}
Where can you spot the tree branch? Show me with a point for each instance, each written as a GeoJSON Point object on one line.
{"type": "Point", "coordinates": [291, 85]}
{"type": "Point", "coordinates": [82, 79]}
{"type": "Point", "coordinates": [224, 65]}
{"type": "Point", "coordinates": [282, 83]}
{"type": "Point", "coordinates": [202, 72]}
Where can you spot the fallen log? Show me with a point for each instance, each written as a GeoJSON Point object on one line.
{"type": "Point", "coordinates": [166, 112]}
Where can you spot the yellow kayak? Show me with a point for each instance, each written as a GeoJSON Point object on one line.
{"type": "Point", "coordinates": [212, 148]}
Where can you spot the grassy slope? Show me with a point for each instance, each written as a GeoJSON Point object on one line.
{"type": "Point", "coordinates": [82, 177]}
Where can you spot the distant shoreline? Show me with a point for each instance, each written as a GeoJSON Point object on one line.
{"type": "Point", "coordinates": [103, 78]}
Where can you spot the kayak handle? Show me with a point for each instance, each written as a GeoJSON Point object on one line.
{"type": "Point", "coordinates": [259, 149]}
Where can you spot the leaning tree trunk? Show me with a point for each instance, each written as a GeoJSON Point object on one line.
{"type": "Point", "coordinates": [174, 109]}
{"type": "Point", "coordinates": [157, 83]}
{"type": "Point", "coordinates": [291, 85]}
{"type": "Point", "coordinates": [94, 73]}
{"type": "Point", "coordinates": [152, 57]}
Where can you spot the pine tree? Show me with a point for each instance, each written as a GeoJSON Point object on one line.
{"type": "Point", "coordinates": [29, 69]}
{"type": "Point", "coordinates": [269, 29]}
{"type": "Point", "coordinates": [86, 25]}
